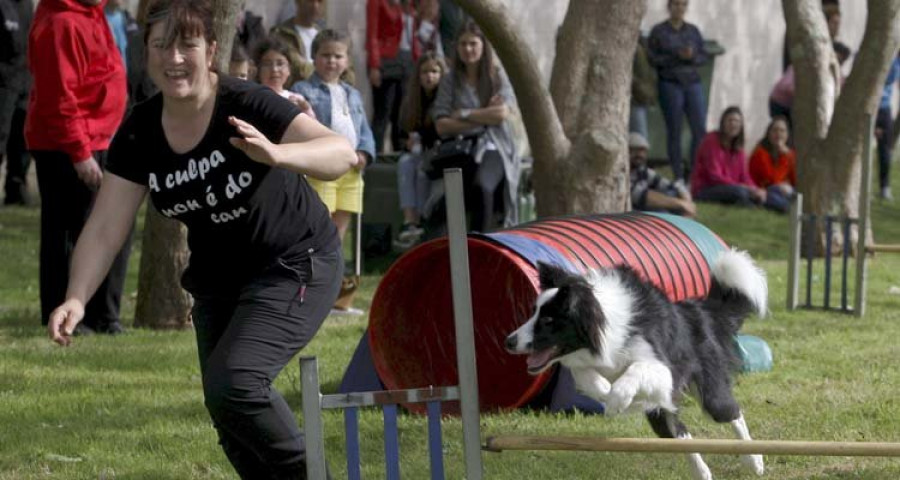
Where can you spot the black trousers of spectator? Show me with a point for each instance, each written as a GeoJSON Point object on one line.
{"type": "Point", "coordinates": [66, 203]}
{"type": "Point", "coordinates": [884, 122]}
{"type": "Point", "coordinates": [386, 105]}
{"type": "Point", "coordinates": [488, 178]}
{"type": "Point", "coordinates": [17, 159]}
{"type": "Point", "coordinates": [244, 340]}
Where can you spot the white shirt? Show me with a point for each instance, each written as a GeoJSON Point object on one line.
{"type": "Point", "coordinates": [307, 34]}
{"type": "Point", "coordinates": [340, 114]}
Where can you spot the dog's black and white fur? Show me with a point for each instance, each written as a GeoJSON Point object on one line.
{"type": "Point", "coordinates": [628, 346]}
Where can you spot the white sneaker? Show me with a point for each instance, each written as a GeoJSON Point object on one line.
{"type": "Point", "coordinates": [886, 194]}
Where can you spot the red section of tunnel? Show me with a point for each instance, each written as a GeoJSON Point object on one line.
{"type": "Point", "coordinates": [411, 331]}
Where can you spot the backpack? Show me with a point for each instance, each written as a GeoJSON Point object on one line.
{"type": "Point", "coordinates": [12, 38]}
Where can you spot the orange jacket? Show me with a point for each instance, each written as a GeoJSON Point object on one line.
{"type": "Point", "coordinates": [766, 172]}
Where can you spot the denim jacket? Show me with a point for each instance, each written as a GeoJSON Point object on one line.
{"type": "Point", "coordinates": [318, 95]}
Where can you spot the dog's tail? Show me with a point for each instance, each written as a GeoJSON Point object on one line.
{"type": "Point", "coordinates": [738, 289]}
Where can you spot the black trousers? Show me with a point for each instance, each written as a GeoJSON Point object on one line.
{"type": "Point", "coordinates": [66, 203]}
{"type": "Point", "coordinates": [244, 340]}
{"type": "Point", "coordinates": [386, 101]}
{"type": "Point", "coordinates": [17, 158]}
{"type": "Point", "coordinates": [885, 122]}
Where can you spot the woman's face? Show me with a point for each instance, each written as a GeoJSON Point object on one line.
{"type": "Point", "coordinates": [430, 75]}
{"type": "Point", "coordinates": [274, 70]}
{"type": "Point", "coordinates": [470, 48]}
{"type": "Point", "coordinates": [778, 133]}
{"type": "Point", "coordinates": [182, 69]}
{"type": "Point", "coordinates": [677, 9]}
{"type": "Point", "coordinates": [732, 125]}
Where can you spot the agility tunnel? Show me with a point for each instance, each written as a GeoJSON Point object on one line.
{"type": "Point", "coordinates": [410, 337]}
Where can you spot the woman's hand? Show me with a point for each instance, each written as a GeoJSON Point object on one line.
{"type": "Point", "coordinates": [63, 321]}
{"type": "Point", "coordinates": [361, 161]}
{"type": "Point", "coordinates": [253, 143]}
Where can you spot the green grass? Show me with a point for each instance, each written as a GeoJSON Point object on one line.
{"type": "Point", "coordinates": [131, 407]}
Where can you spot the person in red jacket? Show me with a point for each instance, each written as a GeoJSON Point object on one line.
{"type": "Point", "coordinates": [75, 107]}
{"type": "Point", "coordinates": [392, 47]}
{"type": "Point", "coordinates": [773, 164]}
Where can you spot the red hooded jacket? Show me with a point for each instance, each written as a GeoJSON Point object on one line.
{"type": "Point", "coordinates": [384, 27]}
{"type": "Point", "coordinates": [79, 93]}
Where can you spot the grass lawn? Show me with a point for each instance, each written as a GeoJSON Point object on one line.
{"type": "Point", "coordinates": [130, 407]}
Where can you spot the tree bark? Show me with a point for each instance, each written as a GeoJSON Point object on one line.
{"type": "Point", "coordinates": [829, 148]}
{"type": "Point", "coordinates": [578, 140]}
{"type": "Point", "coordinates": [161, 302]}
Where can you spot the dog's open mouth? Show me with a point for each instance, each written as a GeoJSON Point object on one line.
{"type": "Point", "coordinates": [540, 360]}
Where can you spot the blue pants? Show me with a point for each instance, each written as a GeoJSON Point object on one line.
{"type": "Point", "coordinates": [244, 339]}
{"type": "Point", "coordinates": [885, 122]}
{"type": "Point", "coordinates": [676, 100]}
{"type": "Point", "coordinates": [412, 183]}
{"type": "Point", "coordinates": [740, 195]}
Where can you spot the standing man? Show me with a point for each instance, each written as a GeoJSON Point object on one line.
{"type": "Point", "coordinates": [676, 50]}
{"type": "Point", "coordinates": [884, 131]}
{"type": "Point", "coordinates": [15, 21]}
{"type": "Point", "coordinates": [298, 33]}
{"type": "Point", "coordinates": [76, 105]}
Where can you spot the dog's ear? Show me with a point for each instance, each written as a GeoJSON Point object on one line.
{"type": "Point", "coordinates": [551, 275]}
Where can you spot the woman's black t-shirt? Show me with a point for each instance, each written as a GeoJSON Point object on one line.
{"type": "Point", "coordinates": [242, 216]}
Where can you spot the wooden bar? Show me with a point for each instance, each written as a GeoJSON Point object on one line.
{"type": "Point", "coordinates": [883, 249]}
{"type": "Point", "coordinates": [716, 446]}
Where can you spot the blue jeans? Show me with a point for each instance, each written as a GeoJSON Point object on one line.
{"type": "Point", "coordinates": [676, 100]}
{"type": "Point", "coordinates": [637, 120]}
{"type": "Point", "coordinates": [885, 122]}
{"type": "Point", "coordinates": [730, 194]}
{"type": "Point", "coordinates": [412, 183]}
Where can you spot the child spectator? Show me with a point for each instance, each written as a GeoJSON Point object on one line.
{"type": "Point", "coordinates": [239, 65]}
{"type": "Point", "coordinates": [720, 170]}
{"type": "Point", "coordinates": [773, 164]}
{"type": "Point", "coordinates": [650, 190]}
{"type": "Point", "coordinates": [273, 69]}
{"type": "Point", "coordinates": [416, 122]}
{"type": "Point", "coordinates": [338, 106]}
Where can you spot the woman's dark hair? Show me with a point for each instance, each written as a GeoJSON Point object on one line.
{"type": "Point", "coordinates": [184, 18]}
{"type": "Point", "coordinates": [767, 144]}
{"type": "Point", "coordinates": [416, 100]}
{"type": "Point", "coordinates": [736, 143]}
{"type": "Point", "coordinates": [274, 44]}
{"type": "Point", "coordinates": [488, 83]}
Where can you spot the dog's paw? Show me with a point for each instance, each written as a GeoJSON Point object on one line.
{"type": "Point", "coordinates": [699, 470]}
{"type": "Point", "coordinates": [621, 396]}
{"type": "Point", "coordinates": [754, 463]}
{"type": "Point", "coordinates": [596, 388]}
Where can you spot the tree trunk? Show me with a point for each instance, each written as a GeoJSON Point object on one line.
{"type": "Point", "coordinates": [161, 302]}
{"type": "Point", "coordinates": [578, 140]}
{"type": "Point", "coordinates": [829, 148]}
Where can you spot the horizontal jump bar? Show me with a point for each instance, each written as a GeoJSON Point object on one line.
{"type": "Point", "coordinates": [390, 397]}
{"type": "Point", "coordinates": [668, 445]}
{"type": "Point", "coordinates": [883, 248]}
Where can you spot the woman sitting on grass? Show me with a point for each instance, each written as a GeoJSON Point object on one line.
{"type": "Point", "coordinates": [227, 158]}
{"type": "Point", "coordinates": [773, 165]}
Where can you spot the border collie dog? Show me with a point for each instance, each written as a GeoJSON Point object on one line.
{"type": "Point", "coordinates": [631, 348]}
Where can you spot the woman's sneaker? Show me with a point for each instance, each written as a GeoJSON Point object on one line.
{"type": "Point", "coordinates": [409, 235]}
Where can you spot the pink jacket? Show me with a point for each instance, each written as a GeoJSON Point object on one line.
{"type": "Point", "coordinates": [717, 166]}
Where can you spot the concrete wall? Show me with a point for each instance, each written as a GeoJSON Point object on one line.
{"type": "Point", "coordinates": [752, 33]}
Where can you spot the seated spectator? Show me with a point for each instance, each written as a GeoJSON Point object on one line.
{"type": "Point", "coordinates": [273, 69]}
{"type": "Point", "coordinates": [781, 100]}
{"type": "Point", "coordinates": [720, 169]}
{"type": "Point", "coordinates": [474, 99]}
{"type": "Point", "coordinates": [773, 165]}
{"type": "Point", "coordinates": [415, 119]}
{"type": "Point", "coordinates": [650, 190]}
{"type": "Point", "coordinates": [239, 64]}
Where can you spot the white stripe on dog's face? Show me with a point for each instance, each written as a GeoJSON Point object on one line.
{"type": "Point", "coordinates": [520, 341]}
